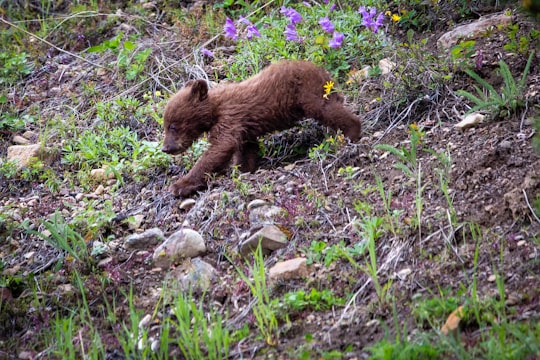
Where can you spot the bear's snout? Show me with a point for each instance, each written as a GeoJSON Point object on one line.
{"type": "Point", "coordinates": [171, 150]}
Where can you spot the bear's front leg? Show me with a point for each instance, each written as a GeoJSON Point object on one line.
{"type": "Point", "coordinates": [214, 160]}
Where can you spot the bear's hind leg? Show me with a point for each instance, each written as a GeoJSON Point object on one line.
{"type": "Point", "coordinates": [247, 157]}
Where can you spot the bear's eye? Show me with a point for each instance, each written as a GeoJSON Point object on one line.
{"type": "Point", "coordinates": [172, 127]}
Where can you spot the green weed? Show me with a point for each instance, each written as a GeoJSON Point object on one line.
{"type": "Point", "coordinates": [200, 333]}
{"type": "Point", "coordinates": [62, 236]}
{"type": "Point", "coordinates": [127, 58]}
{"type": "Point", "coordinates": [320, 252]}
{"type": "Point", "coordinates": [263, 311]}
{"type": "Point", "coordinates": [408, 158]}
{"type": "Point", "coordinates": [13, 67]}
{"type": "Point", "coordinates": [314, 299]}
{"type": "Point", "coordinates": [504, 104]}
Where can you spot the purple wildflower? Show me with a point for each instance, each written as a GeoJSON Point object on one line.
{"type": "Point", "coordinates": [244, 21]}
{"type": "Point", "coordinates": [290, 33]}
{"type": "Point", "coordinates": [332, 7]}
{"type": "Point", "coordinates": [306, 4]}
{"type": "Point", "coordinates": [293, 15]}
{"type": "Point", "coordinates": [252, 31]}
{"type": "Point", "coordinates": [337, 40]}
{"type": "Point", "coordinates": [207, 52]}
{"type": "Point", "coordinates": [326, 25]}
{"type": "Point", "coordinates": [367, 18]}
{"type": "Point", "coordinates": [325, 1]}
{"type": "Point", "coordinates": [230, 29]}
{"type": "Point", "coordinates": [250, 28]}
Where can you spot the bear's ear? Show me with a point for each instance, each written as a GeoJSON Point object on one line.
{"type": "Point", "coordinates": [199, 89]}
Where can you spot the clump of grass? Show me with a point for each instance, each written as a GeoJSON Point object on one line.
{"type": "Point", "coordinates": [511, 98]}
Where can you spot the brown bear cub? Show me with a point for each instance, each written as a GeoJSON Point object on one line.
{"type": "Point", "coordinates": [235, 115]}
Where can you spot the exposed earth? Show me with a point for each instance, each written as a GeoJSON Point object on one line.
{"type": "Point", "coordinates": [487, 225]}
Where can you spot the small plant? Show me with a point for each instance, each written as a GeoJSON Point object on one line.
{"type": "Point", "coordinates": [13, 67]}
{"type": "Point", "coordinates": [129, 60]}
{"type": "Point", "coordinates": [200, 333]}
{"type": "Point", "coordinates": [62, 236]}
{"type": "Point", "coordinates": [463, 51]}
{"type": "Point", "coordinates": [329, 146]}
{"type": "Point", "coordinates": [263, 310]}
{"type": "Point", "coordinates": [370, 228]}
{"type": "Point", "coordinates": [500, 105]}
{"type": "Point", "coordinates": [13, 122]}
{"type": "Point", "coordinates": [314, 299]}
{"type": "Point", "coordinates": [319, 251]}
{"type": "Point", "coordinates": [408, 162]}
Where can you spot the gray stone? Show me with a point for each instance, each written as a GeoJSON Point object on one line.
{"type": "Point", "coordinates": [265, 215]}
{"type": "Point", "coordinates": [194, 274]}
{"type": "Point", "coordinates": [270, 237]}
{"type": "Point", "coordinates": [185, 243]}
{"type": "Point", "coordinates": [144, 240]}
{"type": "Point", "coordinates": [473, 30]}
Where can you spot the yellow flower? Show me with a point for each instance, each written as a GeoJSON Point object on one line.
{"type": "Point", "coordinates": [327, 88]}
{"type": "Point", "coordinates": [396, 17]}
{"type": "Point", "coordinates": [388, 13]}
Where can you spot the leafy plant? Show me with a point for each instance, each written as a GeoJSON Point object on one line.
{"type": "Point", "coordinates": [319, 251]}
{"type": "Point", "coordinates": [314, 299]}
{"type": "Point", "coordinates": [13, 67]}
{"type": "Point", "coordinates": [503, 104]}
{"type": "Point", "coordinates": [128, 58]}
{"type": "Point", "coordinates": [62, 236]}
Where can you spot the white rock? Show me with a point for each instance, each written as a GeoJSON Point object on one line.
{"type": "Point", "coordinates": [145, 321]}
{"type": "Point", "coordinates": [185, 243]}
{"type": "Point", "coordinates": [187, 204]}
{"type": "Point", "coordinates": [100, 174]}
{"type": "Point", "coordinates": [469, 121]}
{"type": "Point", "coordinates": [256, 203]}
{"type": "Point", "coordinates": [359, 75]}
{"type": "Point", "coordinates": [136, 222]}
{"type": "Point", "coordinates": [20, 140]}
{"type": "Point", "coordinates": [30, 135]}
{"type": "Point", "coordinates": [403, 273]}
{"type": "Point", "coordinates": [99, 190]}
{"type": "Point", "coordinates": [386, 66]}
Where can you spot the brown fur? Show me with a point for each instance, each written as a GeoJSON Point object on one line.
{"type": "Point", "coordinates": [235, 115]}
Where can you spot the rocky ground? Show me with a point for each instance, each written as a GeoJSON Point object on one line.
{"type": "Point", "coordinates": [486, 226]}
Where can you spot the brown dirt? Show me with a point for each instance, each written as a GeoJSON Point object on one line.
{"type": "Point", "coordinates": [493, 180]}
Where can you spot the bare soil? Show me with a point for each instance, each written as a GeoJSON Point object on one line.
{"type": "Point", "coordinates": [493, 180]}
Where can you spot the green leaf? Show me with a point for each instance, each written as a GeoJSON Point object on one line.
{"type": "Point", "coordinates": [128, 45]}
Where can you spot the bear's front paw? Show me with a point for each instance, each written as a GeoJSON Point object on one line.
{"type": "Point", "coordinates": [182, 188]}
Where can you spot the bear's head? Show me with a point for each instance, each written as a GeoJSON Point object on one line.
{"type": "Point", "coordinates": [187, 116]}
